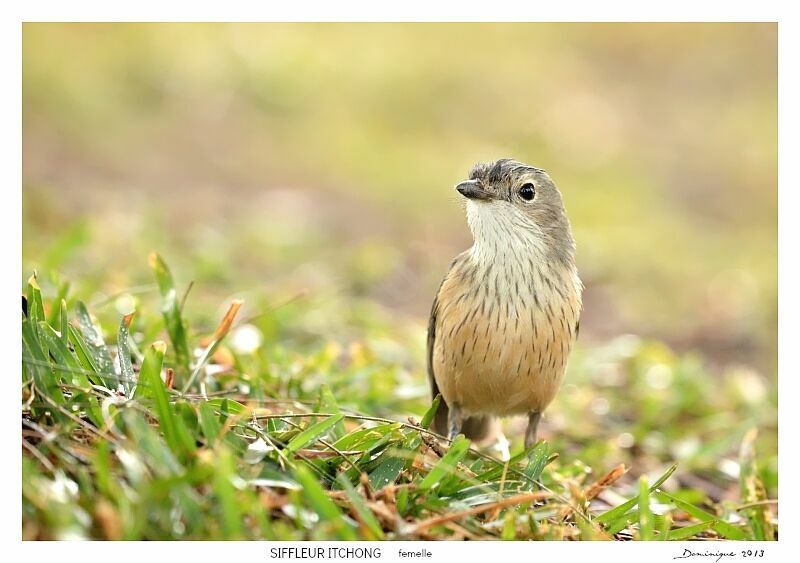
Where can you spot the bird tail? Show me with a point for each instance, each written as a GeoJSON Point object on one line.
{"type": "Point", "coordinates": [476, 428]}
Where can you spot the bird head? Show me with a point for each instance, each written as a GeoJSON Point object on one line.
{"type": "Point", "coordinates": [511, 203]}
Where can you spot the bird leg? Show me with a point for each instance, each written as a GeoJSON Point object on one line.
{"type": "Point", "coordinates": [454, 421]}
{"type": "Point", "coordinates": [533, 424]}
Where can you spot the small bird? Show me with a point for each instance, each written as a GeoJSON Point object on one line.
{"type": "Point", "coordinates": [508, 311]}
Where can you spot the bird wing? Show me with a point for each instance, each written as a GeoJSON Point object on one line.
{"type": "Point", "coordinates": [439, 423]}
{"type": "Point", "coordinates": [473, 427]}
{"type": "Point", "coordinates": [432, 328]}
{"type": "Point", "coordinates": [432, 341]}
{"type": "Point", "coordinates": [440, 419]}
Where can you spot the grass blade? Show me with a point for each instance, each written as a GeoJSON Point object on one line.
{"type": "Point", "coordinates": [150, 446]}
{"type": "Point", "coordinates": [538, 458]}
{"type": "Point", "coordinates": [313, 432]}
{"type": "Point", "coordinates": [691, 531]}
{"type": "Point", "coordinates": [319, 501]}
{"type": "Point", "coordinates": [209, 424]}
{"type": "Point", "coordinates": [124, 353]}
{"type": "Point", "coordinates": [35, 306]}
{"type": "Point", "coordinates": [224, 473]}
{"type": "Point", "coordinates": [664, 527]}
{"type": "Point", "coordinates": [150, 370]}
{"type": "Point", "coordinates": [387, 472]}
{"type": "Point", "coordinates": [222, 330]}
{"type": "Point", "coordinates": [427, 418]}
{"type": "Point", "coordinates": [752, 490]}
{"type": "Point", "coordinates": [723, 528]}
{"type": "Point", "coordinates": [620, 510]}
{"type": "Point", "coordinates": [101, 357]}
{"type": "Point", "coordinates": [172, 425]}
{"type": "Point", "coordinates": [64, 324]}
{"type": "Point", "coordinates": [369, 523]}
{"type": "Point", "coordinates": [171, 311]}
{"type": "Point", "coordinates": [229, 406]}
{"type": "Point", "coordinates": [623, 521]}
{"type": "Point", "coordinates": [57, 314]}
{"type": "Point", "coordinates": [645, 514]}
{"type": "Point", "coordinates": [43, 376]}
{"type": "Point", "coordinates": [87, 359]}
{"type": "Point", "coordinates": [446, 466]}
{"type": "Point", "coordinates": [327, 404]}
{"type": "Point", "coordinates": [68, 365]}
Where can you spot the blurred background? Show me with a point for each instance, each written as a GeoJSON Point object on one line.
{"type": "Point", "coordinates": [323, 156]}
{"type": "Point", "coordinates": [309, 168]}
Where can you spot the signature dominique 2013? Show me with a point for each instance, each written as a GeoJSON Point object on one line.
{"type": "Point", "coordinates": [718, 555]}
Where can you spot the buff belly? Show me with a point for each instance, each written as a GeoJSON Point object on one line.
{"type": "Point", "coordinates": [501, 356]}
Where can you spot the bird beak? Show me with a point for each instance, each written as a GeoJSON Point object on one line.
{"type": "Point", "coordinates": [471, 189]}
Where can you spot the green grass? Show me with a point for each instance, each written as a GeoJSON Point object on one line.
{"type": "Point", "coordinates": [157, 424]}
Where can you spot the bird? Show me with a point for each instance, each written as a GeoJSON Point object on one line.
{"type": "Point", "coordinates": [507, 313]}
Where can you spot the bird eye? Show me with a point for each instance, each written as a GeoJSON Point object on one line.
{"type": "Point", "coordinates": [527, 192]}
